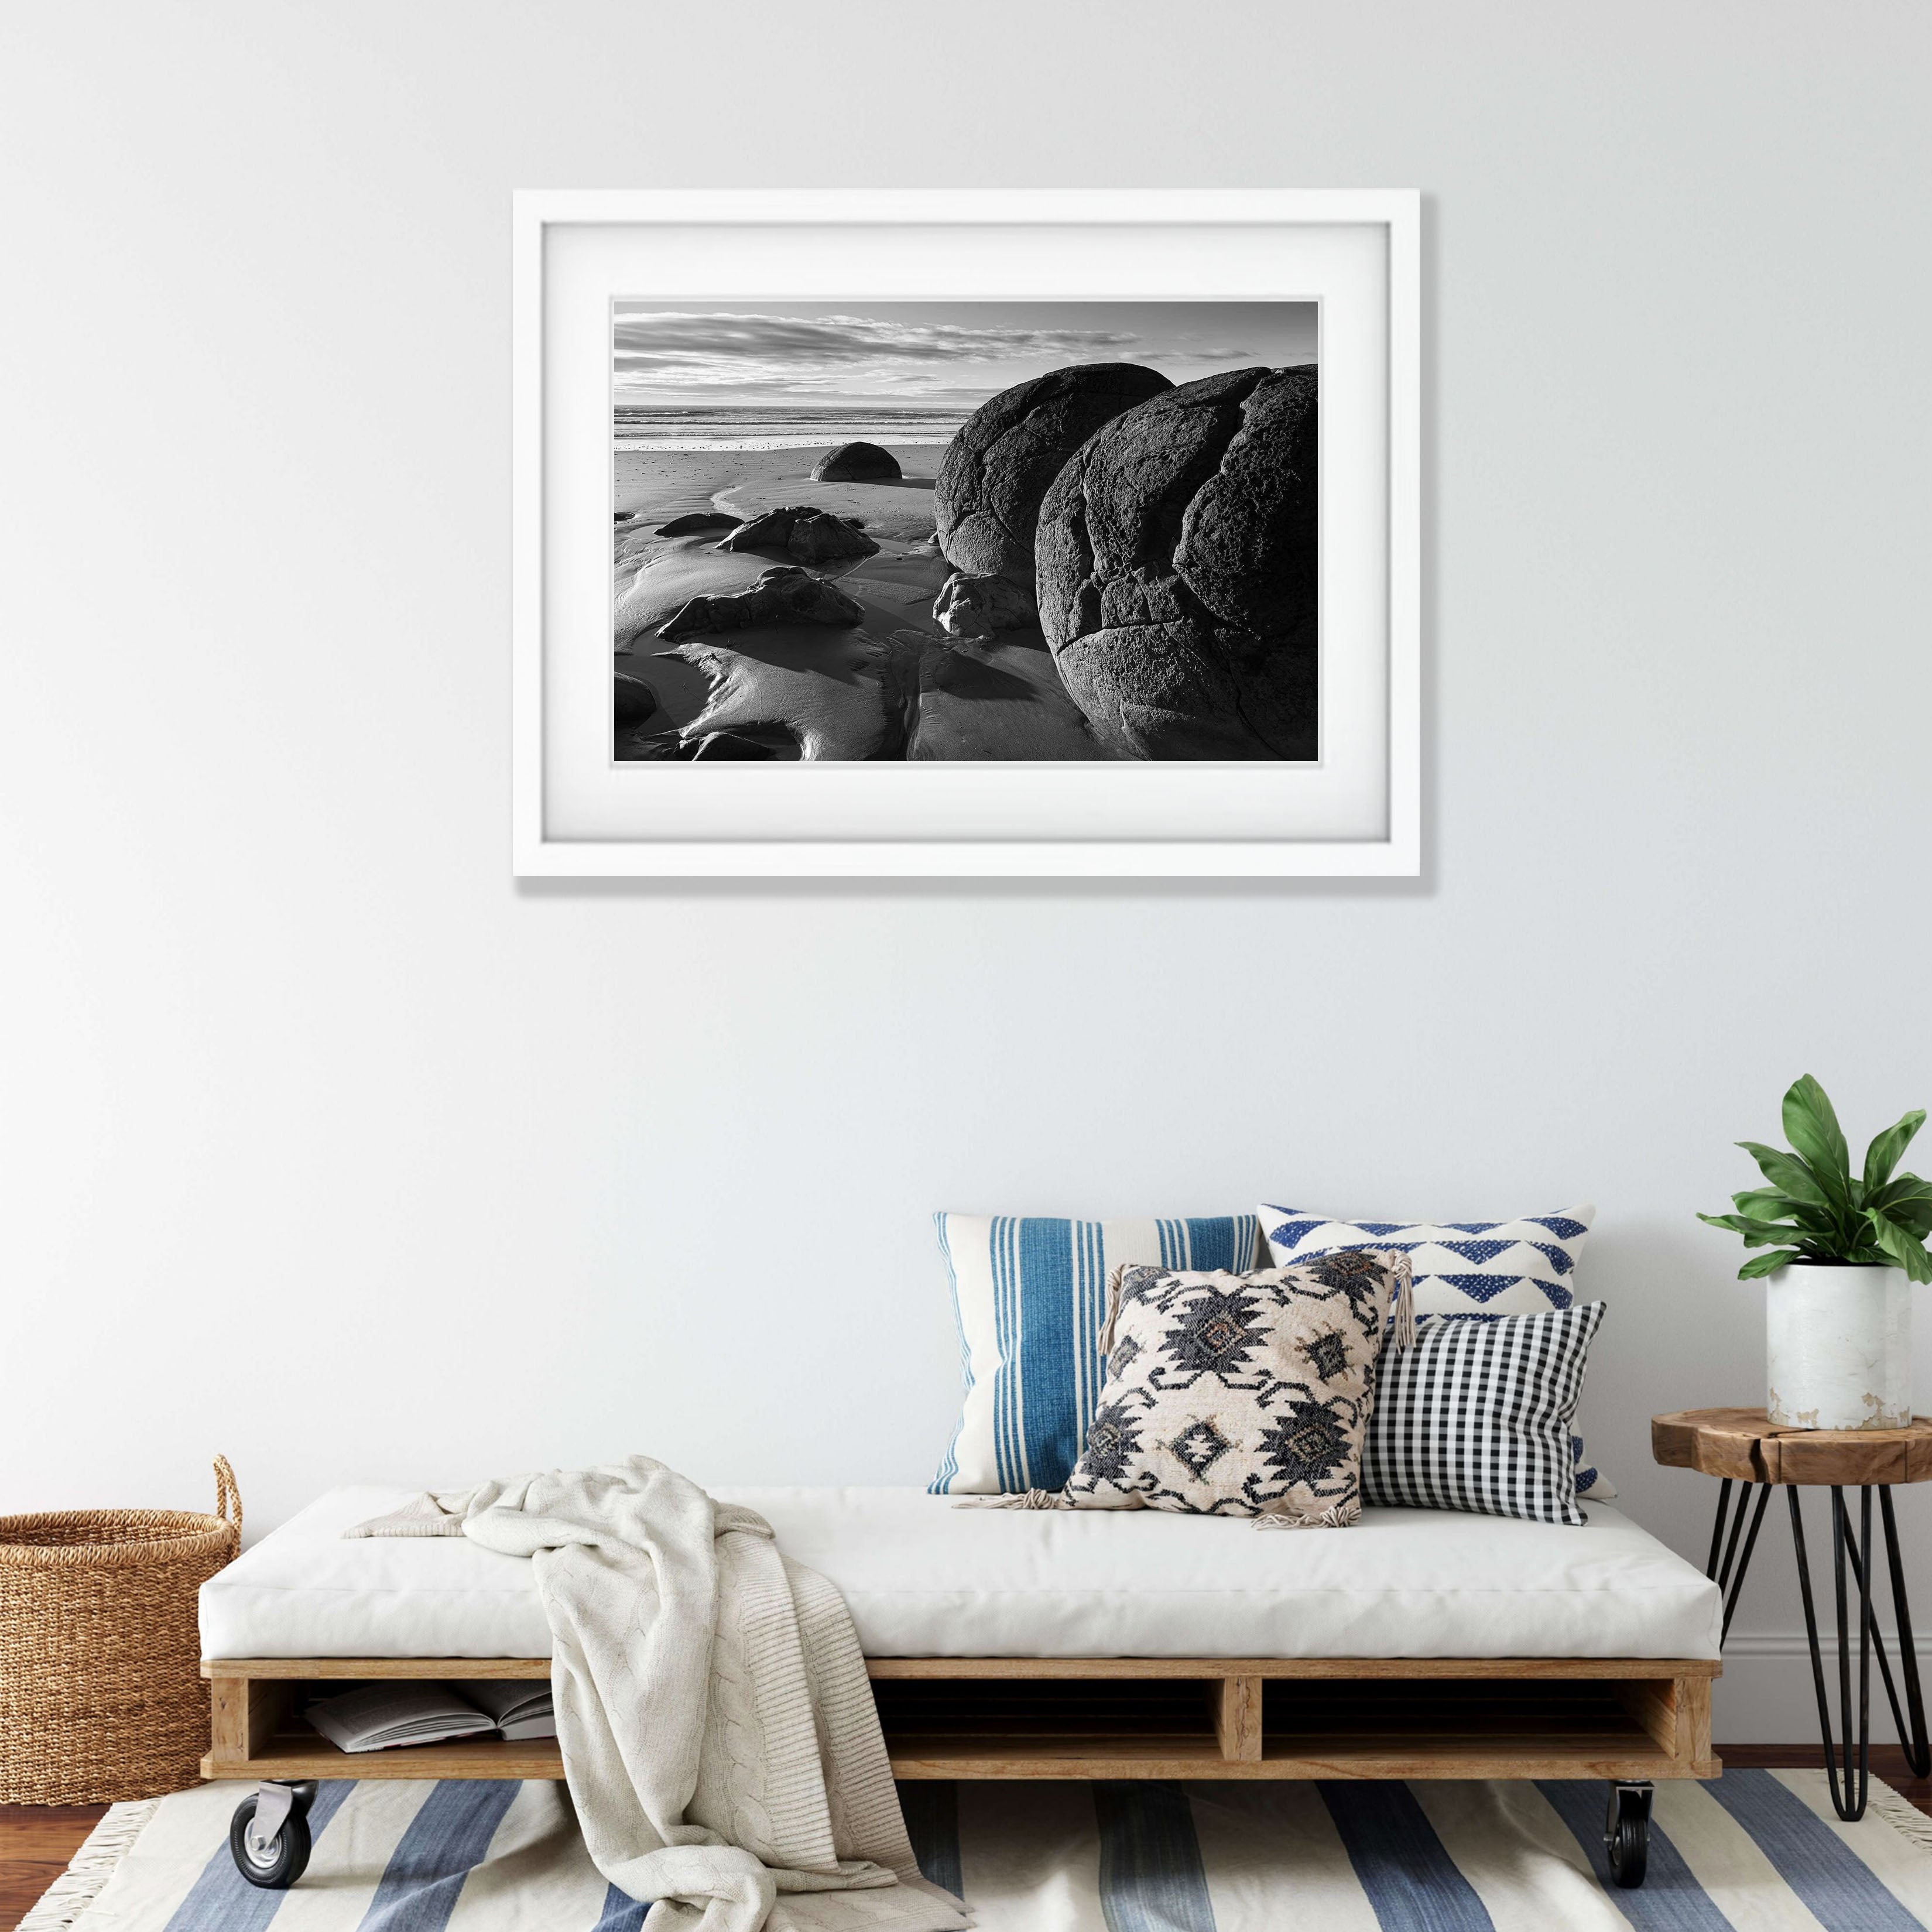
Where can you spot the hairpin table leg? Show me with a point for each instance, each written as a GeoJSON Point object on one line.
{"type": "Point", "coordinates": [1729, 1575]}
{"type": "Point", "coordinates": [1910, 1721]}
{"type": "Point", "coordinates": [1717, 1528]}
{"type": "Point", "coordinates": [1848, 1799]}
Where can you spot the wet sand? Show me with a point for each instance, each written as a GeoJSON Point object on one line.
{"type": "Point", "coordinates": [999, 699]}
{"type": "Point", "coordinates": [656, 485]}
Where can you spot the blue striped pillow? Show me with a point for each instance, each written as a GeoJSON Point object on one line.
{"type": "Point", "coordinates": [1030, 1295]}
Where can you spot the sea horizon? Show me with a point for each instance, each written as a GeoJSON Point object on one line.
{"type": "Point", "coordinates": [635, 427]}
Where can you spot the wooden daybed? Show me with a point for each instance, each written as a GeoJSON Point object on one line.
{"type": "Point", "coordinates": [1631, 1720]}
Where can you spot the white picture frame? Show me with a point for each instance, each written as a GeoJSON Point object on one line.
{"type": "Point", "coordinates": [574, 814]}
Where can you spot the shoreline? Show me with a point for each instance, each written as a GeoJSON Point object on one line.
{"type": "Point", "coordinates": [625, 445]}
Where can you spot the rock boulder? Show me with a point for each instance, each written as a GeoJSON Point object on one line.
{"type": "Point", "coordinates": [855, 463]}
{"type": "Point", "coordinates": [976, 606]}
{"type": "Point", "coordinates": [783, 595]}
{"type": "Point", "coordinates": [1176, 572]}
{"type": "Point", "coordinates": [1009, 451]}
{"type": "Point", "coordinates": [810, 535]}
{"type": "Point", "coordinates": [634, 701]}
{"type": "Point", "coordinates": [697, 519]}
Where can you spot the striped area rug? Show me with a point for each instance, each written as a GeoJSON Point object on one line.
{"type": "Point", "coordinates": [1757, 1851]}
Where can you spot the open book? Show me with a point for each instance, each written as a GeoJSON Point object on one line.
{"type": "Point", "coordinates": [377, 1717]}
{"type": "Point", "coordinates": [521, 1708]}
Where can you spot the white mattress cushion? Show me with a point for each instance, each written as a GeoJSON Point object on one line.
{"type": "Point", "coordinates": [925, 1578]}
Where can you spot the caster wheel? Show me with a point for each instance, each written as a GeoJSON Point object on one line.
{"type": "Point", "coordinates": [288, 1851]}
{"type": "Point", "coordinates": [1626, 1834]}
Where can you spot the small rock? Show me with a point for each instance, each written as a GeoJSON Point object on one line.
{"type": "Point", "coordinates": [976, 606]}
{"type": "Point", "coordinates": [697, 520]}
{"type": "Point", "coordinates": [623, 516]}
{"type": "Point", "coordinates": [635, 700]}
{"type": "Point", "coordinates": [855, 463]}
{"type": "Point", "coordinates": [1008, 452]}
{"type": "Point", "coordinates": [810, 535]}
{"type": "Point", "coordinates": [783, 595]}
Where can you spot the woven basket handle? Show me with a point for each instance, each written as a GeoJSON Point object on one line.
{"type": "Point", "coordinates": [227, 1494]}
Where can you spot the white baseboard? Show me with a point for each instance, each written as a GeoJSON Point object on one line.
{"type": "Point", "coordinates": [1766, 1696]}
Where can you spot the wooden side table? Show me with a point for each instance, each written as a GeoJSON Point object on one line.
{"type": "Point", "coordinates": [1742, 1445]}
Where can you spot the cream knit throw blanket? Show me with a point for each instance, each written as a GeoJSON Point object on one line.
{"type": "Point", "coordinates": [717, 1729]}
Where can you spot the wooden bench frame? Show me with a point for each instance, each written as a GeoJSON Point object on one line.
{"type": "Point", "coordinates": [1626, 1719]}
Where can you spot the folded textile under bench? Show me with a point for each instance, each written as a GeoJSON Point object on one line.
{"type": "Point", "coordinates": [924, 1578]}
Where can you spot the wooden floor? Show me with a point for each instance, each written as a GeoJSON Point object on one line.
{"type": "Point", "coordinates": [36, 1841]}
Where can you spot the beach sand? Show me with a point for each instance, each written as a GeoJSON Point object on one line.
{"type": "Point", "coordinates": [776, 683]}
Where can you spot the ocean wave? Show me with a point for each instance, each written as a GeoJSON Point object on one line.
{"type": "Point", "coordinates": [624, 442]}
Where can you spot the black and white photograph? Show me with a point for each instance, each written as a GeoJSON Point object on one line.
{"type": "Point", "coordinates": [1056, 531]}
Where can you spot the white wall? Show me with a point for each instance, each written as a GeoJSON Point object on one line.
{"type": "Point", "coordinates": [323, 1143]}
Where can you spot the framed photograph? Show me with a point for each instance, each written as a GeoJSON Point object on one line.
{"type": "Point", "coordinates": [975, 533]}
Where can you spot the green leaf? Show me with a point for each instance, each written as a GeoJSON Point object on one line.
{"type": "Point", "coordinates": [1763, 1264]}
{"type": "Point", "coordinates": [1903, 1190]}
{"type": "Point", "coordinates": [1899, 1248]}
{"type": "Point", "coordinates": [1756, 1233]}
{"type": "Point", "coordinates": [1787, 1173]}
{"type": "Point", "coordinates": [1887, 1149]}
{"type": "Point", "coordinates": [1906, 1200]}
{"type": "Point", "coordinates": [1915, 1217]}
{"type": "Point", "coordinates": [1768, 1204]}
{"type": "Point", "coordinates": [1811, 1125]}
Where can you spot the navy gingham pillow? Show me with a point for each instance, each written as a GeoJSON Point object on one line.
{"type": "Point", "coordinates": [1483, 1269]}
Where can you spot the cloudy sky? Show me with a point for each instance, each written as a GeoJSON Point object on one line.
{"type": "Point", "coordinates": [929, 355]}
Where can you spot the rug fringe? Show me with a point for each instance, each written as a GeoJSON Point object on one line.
{"type": "Point", "coordinates": [1900, 1814]}
{"type": "Point", "coordinates": [90, 1867]}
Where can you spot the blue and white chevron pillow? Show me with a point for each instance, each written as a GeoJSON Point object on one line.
{"type": "Point", "coordinates": [1029, 1294]}
{"type": "Point", "coordinates": [1479, 1269]}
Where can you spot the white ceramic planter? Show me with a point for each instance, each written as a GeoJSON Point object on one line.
{"type": "Point", "coordinates": [1838, 1347]}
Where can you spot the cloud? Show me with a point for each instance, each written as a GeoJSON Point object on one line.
{"type": "Point", "coordinates": [737, 348]}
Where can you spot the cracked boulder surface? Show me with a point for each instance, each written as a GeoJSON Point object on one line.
{"type": "Point", "coordinates": [1176, 572]}
{"type": "Point", "coordinates": [1009, 451]}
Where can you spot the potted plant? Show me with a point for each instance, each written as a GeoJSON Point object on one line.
{"type": "Point", "coordinates": [1843, 1251]}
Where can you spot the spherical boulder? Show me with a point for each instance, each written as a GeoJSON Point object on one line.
{"type": "Point", "coordinates": [855, 463]}
{"type": "Point", "coordinates": [1010, 448]}
{"type": "Point", "coordinates": [1176, 572]}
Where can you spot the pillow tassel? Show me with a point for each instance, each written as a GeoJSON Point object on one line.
{"type": "Point", "coordinates": [1336, 1516]}
{"type": "Point", "coordinates": [1105, 1344]}
{"type": "Point", "coordinates": [1027, 1499]}
{"type": "Point", "coordinates": [1404, 1336]}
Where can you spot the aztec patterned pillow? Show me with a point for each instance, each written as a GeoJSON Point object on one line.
{"type": "Point", "coordinates": [1241, 1395]}
{"type": "Point", "coordinates": [1029, 1294]}
{"type": "Point", "coordinates": [1524, 1267]}
{"type": "Point", "coordinates": [1476, 1415]}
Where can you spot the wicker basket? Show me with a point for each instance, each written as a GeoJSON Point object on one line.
{"type": "Point", "coordinates": [101, 1697]}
